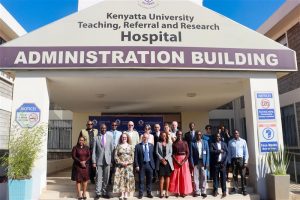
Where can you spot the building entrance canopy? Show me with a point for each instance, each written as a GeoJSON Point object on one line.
{"type": "Point", "coordinates": [144, 35]}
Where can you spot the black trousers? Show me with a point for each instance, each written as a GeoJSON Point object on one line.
{"type": "Point", "coordinates": [147, 170]}
{"type": "Point", "coordinates": [237, 165]}
{"type": "Point", "coordinates": [219, 171]}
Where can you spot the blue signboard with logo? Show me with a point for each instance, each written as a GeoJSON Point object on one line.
{"type": "Point", "coordinates": [122, 121]}
{"type": "Point", "coordinates": [265, 106]}
{"type": "Point", "coordinates": [28, 115]}
{"type": "Point", "coordinates": [268, 137]}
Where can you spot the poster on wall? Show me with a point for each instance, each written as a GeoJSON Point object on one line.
{"type": "Point", "coordinates": [266, 122]}
{"type": "Point", "coordinates": [265, 107]}
{"type": "Point", "coordinates": [28, 115]}
{"type": "Point", "coordinates": [267, 136]}
{"type": "Point", "coordinates": [122, 121]}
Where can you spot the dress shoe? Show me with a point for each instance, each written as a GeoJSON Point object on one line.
{"type": "Point", "coordinates": [233, 191]}
{"type": "Point", "coordinates": [245, 193]}
{"type": "Point", "coordinates": [149, 195]}
{"type": "Point", "coordinates": [97, 196]}
{"type": "Point", "coordinates": [215, 193]}
{"type": "Point", "coordinates": [196, 195]}
{"type": "Point", "coordinates": [204, 195]}
{"type": "Point", "coordinates": [105, 196]}
{"type": "Point", "coordinates": [120, 198]}
{"type": "Point", "coordinates": [140, 196]}
{"type": "Point", "coordinates": [223, 194]}
{"type": "Point", "coordinates": [183, 195]}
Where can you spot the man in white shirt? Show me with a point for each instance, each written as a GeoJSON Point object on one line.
{"type": "Point", "coordinates": [134, 135]}
{"type": "Point", "coordinates": [174, 129]}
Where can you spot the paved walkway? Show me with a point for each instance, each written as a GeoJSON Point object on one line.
{"type": "Point", "coordinates": [294, 191]}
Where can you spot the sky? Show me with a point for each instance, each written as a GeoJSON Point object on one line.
{"type": "Point", "coordinates": [32, 14]}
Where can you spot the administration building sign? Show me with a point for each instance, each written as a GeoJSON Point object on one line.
{"type": "Point", "coordinates": [147, 35]}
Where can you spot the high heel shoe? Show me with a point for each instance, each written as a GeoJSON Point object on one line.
{"type": "Point", "coordinates": [161, 195]}
{"type": "Point", "coordinates": [167, 195]}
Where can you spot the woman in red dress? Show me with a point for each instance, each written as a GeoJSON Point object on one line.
{"type": "Point", "coordinates": [181, 181]}
{"type": "Point", "coordinates": [80, 169]}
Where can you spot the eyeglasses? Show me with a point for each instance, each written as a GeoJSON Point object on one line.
{"type": "Point", "coordinates": [89, 124]}
{"type": "Point", "coordinates": [114, 125]}
{"type": "Point", "coordinates": [130, 124]}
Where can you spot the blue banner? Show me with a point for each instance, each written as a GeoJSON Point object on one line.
{"type": "Point", "coordinates": [122, 121]}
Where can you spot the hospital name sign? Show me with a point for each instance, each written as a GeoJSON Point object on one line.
{"type": "Point", "coordinates": [145, 57]}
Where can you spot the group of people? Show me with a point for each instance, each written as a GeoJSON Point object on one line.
{"type": "Point", "coordinates": [182, 162]}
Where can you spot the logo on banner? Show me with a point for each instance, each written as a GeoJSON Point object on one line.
{"type": "Point", "coordinates": [148, 3]}
{"type": "Point", "coordinates": [265, 103]}
{"type": "Point", "coordinates": [118, 122]}
{"type": "Point", "coordinates": [95, 122]}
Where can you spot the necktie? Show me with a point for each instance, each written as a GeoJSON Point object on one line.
{"type": "Point", "coordinates": [103, 140]}
{"type": "Point", "coordinates": [146, 154]}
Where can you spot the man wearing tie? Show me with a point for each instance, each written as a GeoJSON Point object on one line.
{"type": "Point", "coordinates": [115, 134]}
{"type": "Point", "coordinates": [144, 163]}
{"type": "Point", "coordinates": [102, 155]}
{"type": "Point", "coordinates": [189, 137]}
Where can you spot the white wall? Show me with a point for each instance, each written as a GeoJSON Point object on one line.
{"type": "Point", "coordinates": [199, 118]}
{"type": "Point", "coordinates": [34, 90]}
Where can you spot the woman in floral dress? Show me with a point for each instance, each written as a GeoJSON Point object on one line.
{"type": "Point", "coordinates": [124, 177]}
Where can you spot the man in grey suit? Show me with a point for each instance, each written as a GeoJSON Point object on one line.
{"type": "Point", "coordinates": [102, 156]}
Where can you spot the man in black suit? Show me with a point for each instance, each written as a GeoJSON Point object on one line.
{"type": "Point", "coordinates": [144, 163]}
{"type": "Point", "coordinates": [219, 154]}
{"type": "Point", "coordinates": [190, 137]}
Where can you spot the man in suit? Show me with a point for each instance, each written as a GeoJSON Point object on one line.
{"type": "Point", "coordinates": [219, 154]}
{"type": "Point", "coordinates": [89, 134]}
{"type": "Point", "coordinates": [102, 156]}
{"type": "Point", "coordinates": [144, 163]}
{"type": "Point", "coordinates": [189, 137]}
{"type": "Point", "coordinates": [199, 159]}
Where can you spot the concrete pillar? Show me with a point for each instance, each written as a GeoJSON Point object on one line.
{"type": "Point", "coordinates": [237, 115]}
{"type": "Point", "coordinates": [34, 90]}
{"type": "Point", "coordinates": [257, 166]}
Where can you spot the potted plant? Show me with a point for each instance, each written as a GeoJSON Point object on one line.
{"type": "Point", "coordinates": [278, 181]}
{"type": "Point", "coordinates": [24, 147]}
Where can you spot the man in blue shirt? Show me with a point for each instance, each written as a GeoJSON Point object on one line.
{"type": "Point", "coordinates": [238, 158]}
{"type": "Point", "coordinates": [115, 134]}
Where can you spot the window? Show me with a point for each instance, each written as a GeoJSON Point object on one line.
{"type": "Point", "coordinates": [227, 106]}
{"type": "Point", "coordinates": [283, 40]}
{"type": "Point", "coordinates": [289, 126]}
{"type": "Point", "coordinates": [2, 40]}
{"type": "Point", "coordinates": [60, 135]}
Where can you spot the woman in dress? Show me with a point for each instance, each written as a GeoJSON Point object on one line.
{"type": "Point", "coordinates": [80, 169]}
{"type": "Point", "coordinates": [124, 176]}
{"type": "Point", "coordinates": [181, 181]}
{"type": "Point", "coordinates": [164, 163]}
